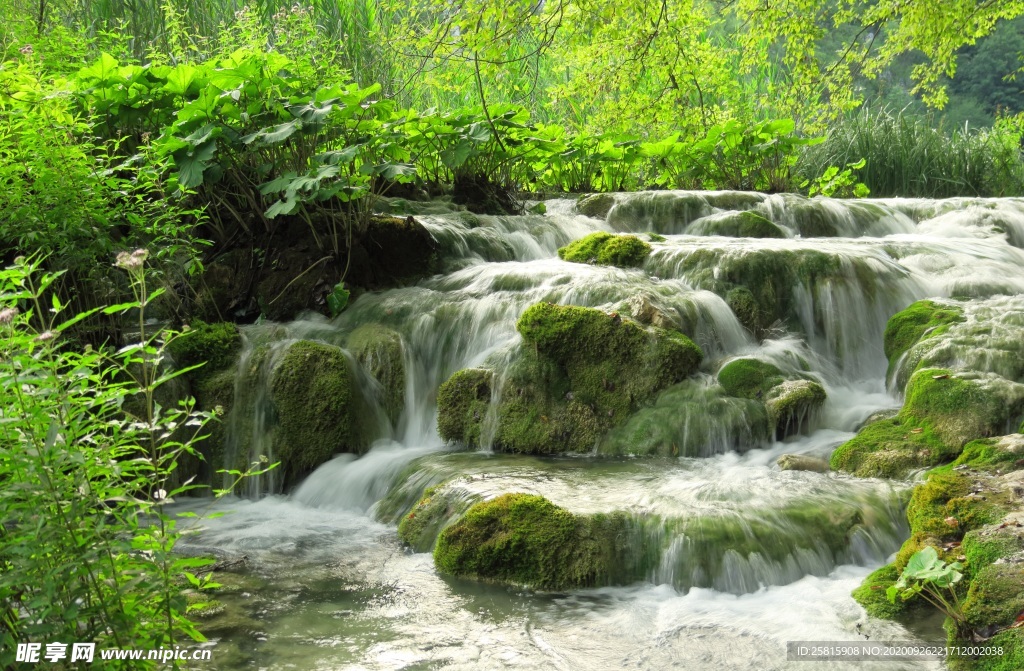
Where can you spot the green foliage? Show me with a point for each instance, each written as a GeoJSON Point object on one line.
{"type": "Point", "coordinates": [906, 156]}
{"type": "Point", "coordinates": [87, 545]}
{"type": "Point", "coordinates": [933, 579]}
{"type": "Point", "coordinates": [872, 595]}
{"type": "Point", "coordinates": [835, 184]}
{"type": "Point", "coordinates": [337, 300]}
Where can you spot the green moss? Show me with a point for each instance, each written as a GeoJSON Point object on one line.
{"type": "Point", "coordinates": [612, 365]}
{"type": "Point", "coordinates": [624, 251]}
{"type": "Point", "coordinates": [995, 597]}
{"type": "Point", "coordinates": [420, 527]}
{"type": "Point", "coordinates": [525, 539]}
{"type": "Point", "coordinates": [749, 378]}
{"type": "Point", "coordinates": [993, 454]}
{"type": "Point", "coordinates": [944, 507]}
{"type": "Point", "coordinates": [871, 595]}
{"type": "Point", "coordinates": [983, 546]}
{"type": "Point", "coordinates": [690, 419]}
{"type": "Point", "coordinates": [956, 409]}
{"type": "Point", "coordinates": [380, 351]}
{"type": "Point", "coordinates": [654, 237]}
{"type": "Point", "coordinates": [319, 410]}
{"type": "Point", "coordinates": [216, 345]}
{"type": "Point", "coordinates": [462, 402]}
{"type": "Point", "coordinates": [1011, 641]}
{"type": "Point", "coordinates": [920, 319]}
{"type": "Point", "coordinates": [890, 448]}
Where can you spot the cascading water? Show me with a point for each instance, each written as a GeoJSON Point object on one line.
{"type": "Point", "coordinates": [733, 556]}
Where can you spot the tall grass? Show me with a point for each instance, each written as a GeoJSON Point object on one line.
{"type": "Point", "coordinates": [906, 156]}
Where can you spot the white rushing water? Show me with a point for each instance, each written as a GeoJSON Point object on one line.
{"type": "Point", "coordinates": [329, 587]}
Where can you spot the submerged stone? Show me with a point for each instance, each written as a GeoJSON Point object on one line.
{"type": "Point", "coordinates": [744, 224]}
{"type": "Point", "coordinates": [802, 462]}
{"type": "Point", "coordinates": [596, 205]}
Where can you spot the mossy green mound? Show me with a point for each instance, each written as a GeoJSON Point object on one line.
{"type": "Point", "coordinates": [380, 351]}
{"type": "Point", "coordinates": [526, 540]}
{"type": "Point", "coordinates": [744, 224]}
{"type": "Point", "coordinates": [319, 410]}
{"type": "Point", "coordinates": [984, 546]}
{"type": "Point", "coordinates": [890, 448]}
{"type": "Point", "coordinates": [462, 403]}
{"type": "Point", "coordinates": [921, 319]}
{"type": "Point", "coordinates": [1000, 454]}
{"type": "Point", "coordinates": [580, 373]}
{"type": "Point", "coordinates": [792, 404]}
{"type": "Point", "coordinates": [605, 249]}
{"type": "Point", "coordinates": [749, 378]}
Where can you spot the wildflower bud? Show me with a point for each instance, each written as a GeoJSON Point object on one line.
{"type": "Point", "coordinates": [45, 336]}
{"type": "Point", "coordinates": [218, 410]}
{"type": "Point", "coordinates": [7, 315]}
{"type": "Point", "coordinates": [160, 494]}
{"type": "Point", "coordinates": [26, 50]}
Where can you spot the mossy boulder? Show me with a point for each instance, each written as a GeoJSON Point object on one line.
{"type": "Point", "coordinates": [462, 403]}
{"type": "Point", "coordinates": [579, 373]}
{"type": "Point", "coordinates": [923, 319]}
{"type": "Point", "coordinates": [744, 224]}
{"type": "Point", "coordinates": [611, 363]}
{"type": "Point", "coordinates": [792, 404]}
{"type": "Point", "coordinates": [525, 539]}
{"type": "Point", "coordinates": [606, 249]}
{"type": "Point", "coordinates": [595, 205]}
{"type": "Point", "coordinates": [942, 412]}
{"type": "Point", "coordinates": [320, 412]}
{"type": "Point", "coordinates": [749, 378]}
{"type": "Point", "coordinates": [999, 454]}
{"type": "Point", "coordinates": [986, 545]}
{"type": "Point", "coordinates": [381, 353]}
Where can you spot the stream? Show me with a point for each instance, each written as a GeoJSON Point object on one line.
{"type": "Point", "coordinates": [739, 556]}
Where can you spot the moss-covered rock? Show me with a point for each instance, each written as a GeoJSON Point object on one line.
{"type": "Point", "coordinates": [749, 378]}
{"type": "Point", "coordinates": [525, 539]}
{"type": "Point", "coordinates": [802, 462]}
{"type": "Point", "coordinates": [744, 224]}
{"type": "Point", "coordinates": [420, 528]}
{"type": "Point", "coordinates": [942, 412]}
{"type": "Point", "coordinates": [319, 410]}
{"type": "Point", "coordinates": [871, 595]}
{"type": "Point", "coordinates": [595, 205]}
{"type": "Point", "coordinates": [1001, 539]}
{"type": "Point", "coordinates": [791, 405]}
{"type": "Point", "coordinates": [890, 448]}
{"type": "Point", "coordinates": [999, 454]}
{"type": "Point", "coordinates": [381, 353]}
{"type": "Point", "coordinates": [996, 596]}
{"type": "Point", "coordinates": [462, 403]}
{"type": "Point", "coordinates": [1010, 641]}
{"type": "Point", "coordinates": [581, 371]}
{"type": "Point", "coordinates": [605, 249]}
{"type": "Point", "coordinates": [216, 346]}
{"type": "Point", "coordinates": [690, 419]}
{"type": "Point", "coordinates": [923, 319]}
{"type": "Point", "coordinates": [612, 364]}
